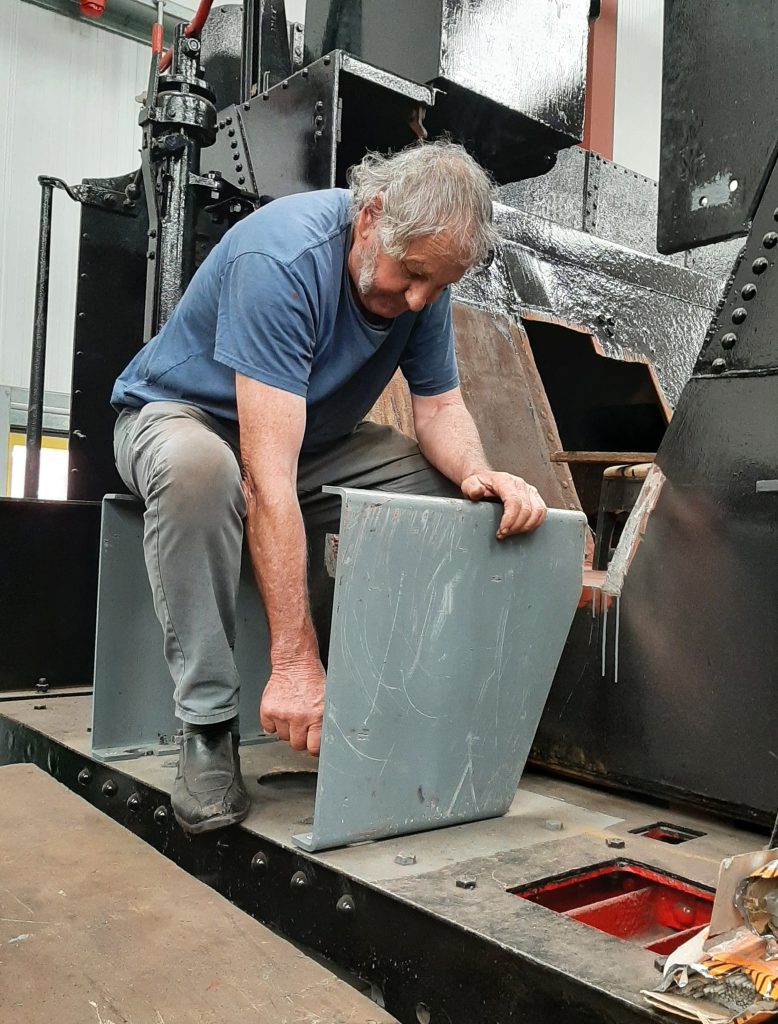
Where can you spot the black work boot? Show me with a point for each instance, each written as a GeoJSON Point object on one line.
{"type": "Point", "coordinates": [209, 792]}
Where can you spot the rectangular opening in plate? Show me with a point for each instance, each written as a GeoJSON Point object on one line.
{"type": "Point", "coordinates": [664, 832]}
{"type": "Point", "coordinates": [632, 901]}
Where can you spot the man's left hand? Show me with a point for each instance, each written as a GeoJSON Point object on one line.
{"type": "Point", "coordinates": [524, 509]}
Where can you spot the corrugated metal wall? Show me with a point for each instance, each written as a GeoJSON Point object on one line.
{"type": "Point", "coordinates": [638, 104]}
{"type": "Point", "coordinates": [66, 110]}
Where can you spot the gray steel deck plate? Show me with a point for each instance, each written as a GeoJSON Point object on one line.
{"type": "Point", "coordinates": [443, 647]}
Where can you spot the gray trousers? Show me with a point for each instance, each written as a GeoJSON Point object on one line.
{"type": "Point", "coordinates": [184, 465]}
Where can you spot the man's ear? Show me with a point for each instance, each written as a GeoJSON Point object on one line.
{"type": "Point", "coordinates": [369, 215]}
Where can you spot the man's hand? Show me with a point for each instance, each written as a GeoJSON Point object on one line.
{"type": "Point", "coordinates": [524, 509]}
{"type": "Point", "coordinates": [293, 704]}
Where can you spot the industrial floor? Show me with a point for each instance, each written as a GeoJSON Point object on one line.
{"type": "Point", "coordinates": [553, 826]}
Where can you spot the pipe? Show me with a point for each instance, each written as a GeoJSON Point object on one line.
{"type": "Point", "coordinates": [38, 359]}
{"type": "Point", "coordinates": [194, 28]}
{"type": "Point", "coordinates": [157, 31]}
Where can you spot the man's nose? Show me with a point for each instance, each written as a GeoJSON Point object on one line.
{"type": "Point", "coordinates": [419, 295]}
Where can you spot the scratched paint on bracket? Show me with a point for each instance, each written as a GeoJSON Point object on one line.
{"type": "Point", "coordinates": [719, 191]}
{"type": "Point", "coordinates": [443, 646]}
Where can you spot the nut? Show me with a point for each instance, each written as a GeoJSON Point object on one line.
{"type": "Point", "coordinates": [405, 859]}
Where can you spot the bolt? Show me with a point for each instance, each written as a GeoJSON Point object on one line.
{"type": "Point", "coordinates": [318, 120]}
{"type": "Point", "coordinates": [615, 844]}
{"type": "Point", "coordinates": [85, 235]}
{"type": "Point", "coordinates": [299, 880]}
{"type": "Point", "coordinates": [318, 133]}
{"type": "Point", "coordinates": [161, 815]}
{"type": "Point", "coordinates": [231, 132]}
{"type": "Point", "coordinates": [284, 85]}
{"type": "Point", "coordinates": [748, 291]}
{"type": "Point", "coordinates": [132, 190]}
{"type": "Point", "coordinates": [247, 106]}
{"type": "Point", "coordinates": [241, 180]}
{"type": "Point", "coordinates": [39, 707]}
{"type": "Point", "coordinates": [83, 277]}
{"type": "Point", "coordinates": [150, 256]}
{"type": "Point", "coordinates": [729, 340]}
{"type": "Point", "coordinates": [265, 96]}
{"type": "Point", "coordinates": [739, 315]}
{"type": "Point", "coordinates": [42, 686]}
{"type": "Point", "coordinates": [221, 126]}
{"type": "Point", "coordinates": [718, 365]}
{"type": "Point", "coordinates": [234, 144]}
{"type": "Point", "coordinates": [770, 240]}
{"type": "Point", "coordinates": [153, 233]}
{"type": "Point", "coordinates": [759, 265]}
{"type": "Point", "coordinates": [466, 882]}
{"type": "Point", "coordinates": [192, 47]}
{"type": "Point", "coordinates": [109, 199]}
{"type": "Point", "coordinates": [304, 72]}
{"type": "Point", "coordinates": [553, 825]}
{"type": "Point", "coordinates": [405, 859]}
{"type": "Point", "coordinates": [228, 121]}
{"type": "Point", "coordinates": [133, 802]}
{"type": "Point", "coordinates": [259, 862]}
{"type": "Point", "coordinates": [82, 315]}
{"type": "Point", "coordinates": [238, 167]}
{"type": "Point", "coordinates": [319, 104]}
{"type": "Point", "coordinates": [327, 60]}
{"type": "Point", "coordinates": [110, 788]}
{"type": "Point", "coordinates": [84, 777]}
{"type": "Point", "coordinates": [236, 156]}
{"type": "Point", "coordinates": [345, 905]}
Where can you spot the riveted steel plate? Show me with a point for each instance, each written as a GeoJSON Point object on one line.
{"type": "Point", "coordinates": [443, 646]}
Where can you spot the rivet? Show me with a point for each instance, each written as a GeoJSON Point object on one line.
{"type": "Point", "coordinates": [284, 85]}
{"type": "Point", "coordinates": [83, 277]}
{"type": "Point", "coordinates": [739, 315]}
{"type": "Point", "coordinates": [748, 291]}
{"type": "Point", "coordinates": [304, 72]}
{"type": "Point", "coordinates": [153, 233]}
{"type": "Point", "coordinates": [770, 240]}
{"type": "Point", "coordinates": [234, 144]}
{"type": "Point", "coordinates": [161, 815]}
{"type": "Point", "coordinates": [775, 214]}
{"type": "Point", "coordinates": [110, 788]}
{"type": "Point", "coordinates": [327, 60]}
{"type": "Point", "coordinates": [84, 777]}
{"type": "Point", "coordinates": [231, 132]}
{"type": "Point", "coordinates": [241, 180]}
{"type": "Point", "coordinates": [265, 96]}
{"type": "Point", "coordinates": [238, 167]}
{"type": "Point", "coordinates": [405, 859]}
{"type": "Point", "coordinates": [82, 316]}
{"type": "Point", "coordinates": [318, 133]}
{"type": "Point", "coordinates": [615, 844]}
{"type": "Point", "coordinates": [299, 880]}
{"type": "Point", "coordinates": [729, 340]}
{"type": "Point", "coordinates": [221, 124]}
{"type": "Point", "coordinates": [247, 106]}
{"type": "Point", "coordinates": [85, 235]}
{"type": "Point", "coordinates": [133, 802]}
{"type": "Point", "coordinates": [759, 265]}
{"type": "Point", "coordinates": [345, 905]}
{"type": "Point", "coordinates": [150, 256]}
{"type": "Point", "coordinates": [466, 882]}
{"type": "Point", "coordinates": [259, 862]}
{"type": "Point", "coordinates": [718, 365]}
{"type": "Point", "coordinates": [228, 120]}
{"type": "Point", "coordinates": [319, 104]}
{"type": "Point", "coordinates": [236, 156]}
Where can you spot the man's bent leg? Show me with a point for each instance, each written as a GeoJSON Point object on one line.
{"type": "Point", "coordinates": [180, 462]}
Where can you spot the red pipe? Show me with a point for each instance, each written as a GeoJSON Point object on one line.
{"type": "Point", "coordinates": [92, 8]}
{"type": "Point", "coordinates": [194, 28]}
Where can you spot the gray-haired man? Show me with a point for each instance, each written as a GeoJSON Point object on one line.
{"type": "Point", "coordinates": [251, 398]}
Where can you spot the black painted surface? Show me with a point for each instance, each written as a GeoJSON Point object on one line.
{"type": "Point", "coordinates": [108, 332]}
{"type": "Point", "coordinates": [48, 592]}
{"type": "Point", "coordinates": [719, 110]}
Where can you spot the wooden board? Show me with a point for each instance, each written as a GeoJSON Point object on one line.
{"type": "Point", "coordinates": [503, 391]}
{"type": "Point", "coordinates": [98, 928]}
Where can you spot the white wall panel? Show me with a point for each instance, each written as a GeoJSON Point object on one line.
{"type": "Point", "coordinates": [68, 110]}
{"type": "Point", "coordinates": [638, 104]}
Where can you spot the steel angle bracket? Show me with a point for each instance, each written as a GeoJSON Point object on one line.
{"type": "Point", "coordinates": [443, 647]}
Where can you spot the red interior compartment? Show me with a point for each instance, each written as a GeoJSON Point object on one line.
{"type": "Point", "coordinates": [632, 901]}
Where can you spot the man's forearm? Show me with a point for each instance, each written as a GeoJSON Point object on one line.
{"type": "Point", "coordinates": [276, 540]}
{"type": "Point", "coordinates": [451, 443]}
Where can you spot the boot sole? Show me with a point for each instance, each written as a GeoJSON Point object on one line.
{"type": "Point", "coordinates": [211, 824]}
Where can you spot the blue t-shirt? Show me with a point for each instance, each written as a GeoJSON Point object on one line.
{"type": "Point", "coordinates": [273, 301]}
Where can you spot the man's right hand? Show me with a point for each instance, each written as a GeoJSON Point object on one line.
{"type": "Point", "coordinates": [293, 704]}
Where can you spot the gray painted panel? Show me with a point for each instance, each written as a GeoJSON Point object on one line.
{"type": "Point", "coordinates": [443, 647]}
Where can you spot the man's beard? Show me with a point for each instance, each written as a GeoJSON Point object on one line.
{"type": "Point", "coordinates": [367, 265]}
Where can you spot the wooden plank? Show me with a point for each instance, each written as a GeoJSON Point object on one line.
{"type": "Point", "coordinates": [609, 458]}
{"type": "Point", "coordinates": [97, 927]}
{"type": "Point", "coordinates": [503, 391]}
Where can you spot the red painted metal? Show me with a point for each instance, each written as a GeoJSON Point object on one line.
{"type": "Point", "coordinates": [92, 8]}
{"type": "Point", "coordinates": [666, 833]}
{"type": "Point", "coordinates": [630, 901]}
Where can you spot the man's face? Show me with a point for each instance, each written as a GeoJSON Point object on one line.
{"type": "Point", "coordinates": [385, 287]}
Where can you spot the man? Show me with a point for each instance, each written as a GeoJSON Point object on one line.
{"type": "Point", "coordinates": [251, 398]}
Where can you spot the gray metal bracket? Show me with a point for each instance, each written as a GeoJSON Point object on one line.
{"type": "Point", "coordinates": [132, 707]}
{"type": "Point", "coordinates": [443, 647]}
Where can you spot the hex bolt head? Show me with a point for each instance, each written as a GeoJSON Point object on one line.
{"type": "Point", "coordinates": [161, 815]}
{"type": "Point", "coordinates": [110, 788]}
{"type": "Point", "coordinates": [84, 777]}
{"type": "Point", "coordinates": [759, 265]}
{"type": "Point", "coordinates": [553, 825]}
{"type": "Point", "coordinates": [770, 240]}
{"type": "Point", "coordinates": [299, 880]}
{"type": "Point", "coordinates": [615, 844]}
{"type": "Point", "coordinates": [739, 315]}
{"type": "Point", "coordinates": [133, 802]}
{"type": "Point", "coordinates": [729, 340]}
{"type": "Point", "coordinates": [748, 291]}
{"type": "Point", "coordinates": [405, 859]}
{"type": "Point", "coordinates": [345, 905]}
{"type": "Point", "coordinates": [466, 882]}
{"type": "Point", "coordinates": [259, 862]}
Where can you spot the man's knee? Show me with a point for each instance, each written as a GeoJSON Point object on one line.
{"type": "Point", "coordinates": [198, 477]}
